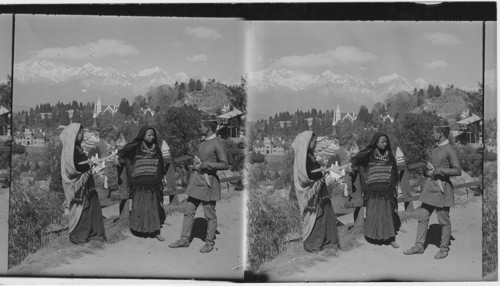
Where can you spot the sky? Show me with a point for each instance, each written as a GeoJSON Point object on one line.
{"type": "Point", "coordinates": [5, 45]}
{"type": "Point", "coordinates": [447, 52]}
{"type": "Point", "coordinates": [199, 47]}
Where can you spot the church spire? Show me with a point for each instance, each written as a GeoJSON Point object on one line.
{"type": "Point", "coordinates": [336, 116]}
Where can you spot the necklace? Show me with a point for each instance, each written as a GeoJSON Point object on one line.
{"type": "Point", "coordinates": [146, 148]}
{"type": "Point", "coordinates": [380, 156]}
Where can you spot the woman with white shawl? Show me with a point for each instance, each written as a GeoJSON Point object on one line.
{"type": "Point", "coordinates": [82, 202]}
{"type": "Point", "coordinates": [319, 225]}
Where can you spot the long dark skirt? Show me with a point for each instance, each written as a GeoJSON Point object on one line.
{"type": "Point", "coordinates": [91, 225]}
{"type": "Point", "coordinates": [382, 221]}
{"type": "Point", "coordinates": [147, 213]}
{"type": "Point", "coordinates": [324, 233]}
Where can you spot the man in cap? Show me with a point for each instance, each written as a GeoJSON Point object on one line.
{"type": "Point", "coordinates": [204, 185]}
{"type": "Point", "coordinates": [437, 192]}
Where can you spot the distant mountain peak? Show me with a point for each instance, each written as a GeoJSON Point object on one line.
{"type": "Point", "coordinates": [148, 72]}
{"type": "Point", "coordinates": [388, 78]}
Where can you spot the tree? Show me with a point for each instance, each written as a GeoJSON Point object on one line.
{"type": "Point", "coordinates": [401, 103]}
{"type": "Point", "coordinates": [437, 91]}
{"type": "Point", "coordinates": [124, 107]}
{"type": "Point", "coordinates": [430, 91]}
{"type": "Point", "coordinates": [420, 97]}
{"type": "Point", "coordinates": [191, 85]}
{"type": "Point", "coordinates": [363, 114]}
{"type": "Point", "coordinates": [379, 107]}
{"type": "Point", "coordinates": [74, 105]}
{"type": "Point", "coordinates": [198, 85]}
{"type": "Point", "coordinates": [302, 125]}
{"type": "Point", "coordinates": [64, 119]}
{"type": "Point", "coordinates": [140, 101]}
{"type": "Point", "coordinates": [162, 97]}
{"type": "Point", "coordinates": [182, 91]}
{"type": "Point", "coordinates": [238, 95]}
{"type": "Point", "coordinates": [375, 116]}
{"type": "Point", "coordinates": [474, 100]}
{"type": "Point", "coordinates": [5, 93]}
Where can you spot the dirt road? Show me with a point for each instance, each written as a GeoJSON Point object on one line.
{"type": "Point", "coordinates": [4, 224]}
{"type": "Point", "coordinates": [375, 263]}
{"type": "Point", "coordinates": [150, 258]}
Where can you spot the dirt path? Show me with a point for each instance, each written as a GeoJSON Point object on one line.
{"type": "Point", "coordinates": [4, 223]}
{"type": "Point", "coordinates": [139, 257]}
{"type": "Point", "coordinates": [374, 263]}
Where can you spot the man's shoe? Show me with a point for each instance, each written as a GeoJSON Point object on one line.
{"type": "Point", "coordinates": [206, 248]}
{"type": "Point", "coordinates": [160, 238]}
{"type": "Point", "coordinates": [179, 243]}
{"type": "Point", "coordinates": [441, 254]}
{"type": "Point", "coordinates": [414, 250]}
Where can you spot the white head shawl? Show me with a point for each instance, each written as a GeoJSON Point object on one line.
{"type": "Point", "coordinates": [308, 191]}
{"type": "Point", "coordinates": [69, 174]}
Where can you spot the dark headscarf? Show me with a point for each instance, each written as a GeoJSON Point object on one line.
{"type": "Point", "coordinates": [363, 156]}
{"type": "Point", "coordinates": [130, 149]}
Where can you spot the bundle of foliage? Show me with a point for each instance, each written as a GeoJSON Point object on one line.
{"type": "Point", "coordinates": [413, 134]}
{"type": "Point", "coordinates": [31, 211]}
{"type": "Point", "coordinates": [180, 129]}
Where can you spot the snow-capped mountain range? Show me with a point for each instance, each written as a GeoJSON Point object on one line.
{"type": "Point", "coordinates": [329, 82]}
{"type": "Point", "coordinates": [50, 72]}
{"type": "Point", "coordinates": [49, 81]}
{"type": "Point", "coordinates": [275, 90]}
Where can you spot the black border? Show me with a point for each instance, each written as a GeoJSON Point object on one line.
{"type": "Point", "coordinates": [396, 11]}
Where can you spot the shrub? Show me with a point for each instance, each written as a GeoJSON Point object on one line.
{"type": "Point", "coordinates": [257, 158]}
{"type": "Point", "coordinates": [31, 212]}
{"type": "Point", "coordinates": [256, 174]}
{"type": "Point", "coordinates": [18, 148]}
{"type": "Point", "coordinates": [471, 166]}
{"type": "Point", "coordinates": [284, 170]}
{"type": "Point", "coordinates": [236, 160]}
{"type": "Point", "coordinates": [270, 220]}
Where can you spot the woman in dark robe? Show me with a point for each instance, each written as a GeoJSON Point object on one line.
{"type": "Point", "coordinates": [379, 178]}
{"type": "Point", "coordinates": [146, 188]}
{"type": "Point", "coordinates": [82, 202]}
{"type": "Point", "coordinates": [319, 224]}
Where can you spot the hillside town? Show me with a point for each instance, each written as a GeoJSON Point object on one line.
{"type": "Point", "coordinates": [466, 130]}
